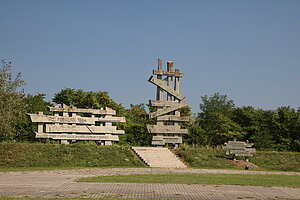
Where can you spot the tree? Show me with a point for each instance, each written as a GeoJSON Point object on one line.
{"type": "Point", "coordinates": [287, 135]}
{"type": "Point", "coordinates": [249, 119]}
{"type": "Point", "coordinates": [24, 128]}
{"type": "Point", "coordinates": [10, 100]}
{"type": "Point", "coordinates": [135, 126]}
{"type": "Point", "coordinates": [219, 129]}
{"type": "Point", "coordinates": [264, 137]}
{"type": "Point", "coordinates": [216, 104]}
{"type": "Point", "coordinates": [90, 99]}
{"type": "Point", "coordinates": [216, 122]}
{"type": "Point", "coordinates": [258, 124]}
{"type": "Point", "coordinates": [196, 134]}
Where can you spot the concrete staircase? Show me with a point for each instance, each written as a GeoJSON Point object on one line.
{"type": "Point", "coordinates": [158, 157]}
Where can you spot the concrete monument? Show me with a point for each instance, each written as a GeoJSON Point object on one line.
{"type": "Point", "coordinates": [71, 123]}
{"type": "Point", "coordinates": [167, 130]}
{"type": "Point", "coordinates": [239, 148]}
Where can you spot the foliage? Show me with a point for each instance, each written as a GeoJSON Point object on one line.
{"type": "Point", "coordinates": [135, 127]}
{"type": "Point", "coordinates": [221, 121]}
{"type": "Point", "coordinates": [25, 129]}
{"type": "Point", "coordinates": [217, 103]}
{"type": "Point", "coordinates": [196, 134]}
{"type": "Point", "coordinates": [210, 179]}
{"type": "Point", "coordinates": [215, 122]}
{"type": "Point", "coordinates": [258, 124]}
{"type": "Point", "coordinates": [278, 130]}
{"type": "Point", "coordinates": [90, 99]}
{"type": "Point", "coordinates": [10, 100]}
{"type": "Point", "coordinates": [287, 134]}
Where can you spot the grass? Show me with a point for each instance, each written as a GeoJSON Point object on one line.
{"type": "Point", "coordinates": [278, 161]}
{"type": "Point", "coordinates": [204, 158]}
{"type": "Point", "coordinates": [215, 159]}
{"type": "Point", "coordinates": [210, 179]}
{"type": "Point", "coordinates": [39, 155]}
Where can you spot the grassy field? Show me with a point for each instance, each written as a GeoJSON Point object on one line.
{"type": "Point", "coordinates": [281, 161]}
{"type": "Point", "coordinates": [37, 156]}
{"type": "Point", "coordinates": [210, 179]}
{"type": "Point", "coordinates": [215, 159]}
{"type": "Point", "coordinates": [65, 156]}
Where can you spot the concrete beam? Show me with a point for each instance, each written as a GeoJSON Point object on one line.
{"type": "Point", "coordinates": [168, 89]}
{"type": "Point", "coordinates": [166, 129]}
{"type": "Point", "coordinates": [107, 110]}
{"type": "Point", "coordinates": [74, 120]}
{"type": "Point", "coordinates": [173, 118]}
{"type": "Point", "coordinates": [161, 103]}
{"type": "Point", "coordinates": [168, 110]}
{"type": "Point", "coordinates": [77, 137]}
{"type": "Point", "coordinates": [53, 128]}
{"type": "Point", "coordinates": [166, 73]}
{"type": "Point", "coordinates": [168, 139]}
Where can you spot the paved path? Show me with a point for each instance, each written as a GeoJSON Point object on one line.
{"type": "Point", "coordinates": [60, 183]}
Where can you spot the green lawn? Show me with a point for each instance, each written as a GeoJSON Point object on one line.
{"type": "Point", "coordinates": [216, 159]}
{"type": "Point", "coordinates": [38, 155]}
{"type": "Point", "coordinates": [210, 179]}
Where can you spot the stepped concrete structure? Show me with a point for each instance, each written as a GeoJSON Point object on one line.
{"type": "Point", "coordinates": [239, 148]}
{"type": "Point", "coordinates": [167, 130]}
{"type": "Point", "coordinates": [158, 157]}
{"type": "Point", "coordinates": [71, 124]}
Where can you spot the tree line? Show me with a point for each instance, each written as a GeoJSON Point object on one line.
{"type": "Point", "coordinates": [218, 121]}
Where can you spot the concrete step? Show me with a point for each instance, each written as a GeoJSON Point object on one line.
{"type": "Point", "coordinates": [158, 157]}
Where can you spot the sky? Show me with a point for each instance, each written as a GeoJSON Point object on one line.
{"type": "Point", "coordinates": [248, 50]}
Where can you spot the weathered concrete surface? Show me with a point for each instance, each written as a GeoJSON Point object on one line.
{"type": "Point", "coordinates": [167, 111]}
{"type": "Point", "coordinates": [66, 125]}
{"type": "Point", "coordinates": [159, 157]}
{"type": "Point", "coordinates": [60, 183]}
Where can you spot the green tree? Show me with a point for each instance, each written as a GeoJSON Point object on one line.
{"type": "Point", "coordinates": [135, 126]}
{"type": "Point", "coordinates": [196, 136]}
{"type": "Point", "coordinates": [10, 100]}
{"type": "Point", "coordinates": [264, 138]}
{"type": "Point", "coordinates": [217, 103]}
{"type": "Point", "coordinates": [220, 128]}
{"type": "Point", "coordinates": [90, 99]}
{"type": "Point", "coordinates": [216, 122]}
{"type": "Point", "coordinates": [24, 128]}
{"type": "Point", "coordinates": [258, 124]}
{"type": "Point", "coordinates": [287, 135]}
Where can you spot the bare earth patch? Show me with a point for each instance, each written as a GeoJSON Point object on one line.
{"type": "Point", "coordinates": [242, 163]}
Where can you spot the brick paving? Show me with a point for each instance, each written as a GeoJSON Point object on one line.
{"type": "Point", "coordinates": [61, 184]}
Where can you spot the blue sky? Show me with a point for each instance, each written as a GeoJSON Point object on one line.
{"type": "Point", "coordinates": [248, 50]}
